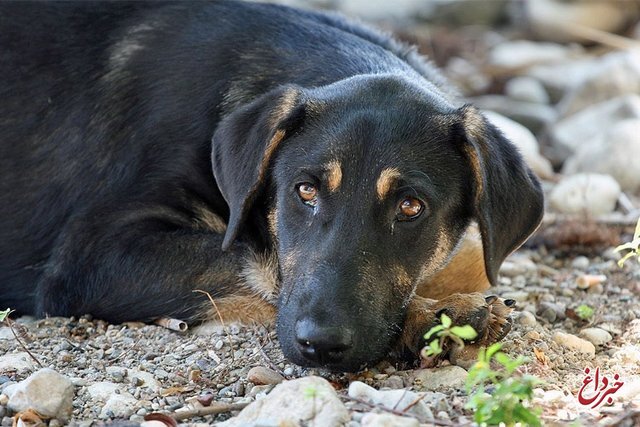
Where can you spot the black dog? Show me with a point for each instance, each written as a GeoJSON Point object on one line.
{"type": "Point", "coordinates": [345, 175]}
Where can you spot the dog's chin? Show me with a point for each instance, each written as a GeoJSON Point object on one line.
{"type": "Point", "coordinates": [348, 364]}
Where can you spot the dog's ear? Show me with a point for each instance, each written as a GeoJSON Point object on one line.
{"type": "Point", "coordinates": [243, 147]}
{"type": "Point", "coordinates": [507, 198]}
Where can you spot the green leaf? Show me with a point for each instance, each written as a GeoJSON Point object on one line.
{"type": "Point", "coordinates": [584, 312]}
{"type": "Point", "coordinates": [433, 331]}
{"type": "Point", "coordinates": [446, 320]}
{"type": "Point", "coordinates": [465, 332]}
{"type": "Point", "coordinates": [527, 417]}
{"type": "Point", "coordinates": [493, 349]}
{"type": "Point", "coordinates": [4, 314]}
{"type": "Point", "coordinates": [622, 260]}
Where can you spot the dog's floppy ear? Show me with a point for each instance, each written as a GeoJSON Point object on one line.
{"type": "Point", "coordinates": [507, 198]}
{"type": "Point", "coordinates": [243, 146]}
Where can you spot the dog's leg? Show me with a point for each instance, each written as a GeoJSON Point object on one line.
{"type": "Point", "coordinates": [456, 291]}
{"type": "Point", "coordinates": [145, 270]}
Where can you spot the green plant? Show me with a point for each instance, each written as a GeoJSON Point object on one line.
{"type": "Point", "coordinates": [445, 331]}
{"type": "Point", "coordinates": [4, 314]}
{"type": "Point", "coordinates": [633, 246]}
{"type": "Point", "coordinates": [584, 312]}
{"type": "Point", "coordinates": [500, 396]}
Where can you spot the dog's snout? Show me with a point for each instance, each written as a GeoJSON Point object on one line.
{"type": "Point", "coordinates": [322, 344]}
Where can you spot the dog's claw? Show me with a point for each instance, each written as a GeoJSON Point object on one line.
{"type": "Point", "coordinates": [510, 303]}
{"type": "Point", "coordinates": [491, 298]}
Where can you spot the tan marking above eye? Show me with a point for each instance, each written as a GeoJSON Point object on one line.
{"type": "Point", "coordinates": [334, 175]}
{"type": "Point", "coordinates": [308, 193]}
{"type": "Point", "coordinates": [410, 208]}
{"type": "Point", "coordinates": [386, 181]}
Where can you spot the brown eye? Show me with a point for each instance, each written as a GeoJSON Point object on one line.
{"type": "Point", "coordinates": [410, 208]}
{"type": "Point", "coordinates": [308, 193]}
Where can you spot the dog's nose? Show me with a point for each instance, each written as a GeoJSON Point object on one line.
{"type": "Point", "coordinates": [323, 344]}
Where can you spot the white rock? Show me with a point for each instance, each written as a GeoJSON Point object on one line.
{"type": "Point", "coordinates": [571, 133]}
{"type": "Point", "coordinates": [525, 141]}
{"type": "Point", "coordinates": [518, 54]}
{"type": "Point", "coordinates": [446, 377]}
{"type": "Point", "coordinates": [535, 117]}
{"type": "Point", "coordinates": [574, 343]}
{"type": "Point", "coordinates": [19, 362]}
{"type": "Point", "coordinates": [311, 399]}
{"type": "Point", "coordinates": [119, 406]}
{"type": "Point", "coordinates": [592, 194]}
{"type": "Point", "coordinates": [148, 380]}
{"type": "Point", "coordinates": [526, 89]}
{"type": "Point", "coordinates": [615, 74]}
{"type": "Point", "coordinates": [526, 318]}
{"type": "Point", "coordinates": [45, 391]}
{"type": "Point", "coordinates": [615, 152]}
{"type": "Point", "coordinates": [6, 334]}
{"type": "Point", "coordinates": [596, 336]}
{"type": "Point", "coordinates": [398, 399]}
{"type": "Point", "coordinates": [580, 262]}
{"type": "Point", "coordinates": [102, 390]}
{"type": "Point", "coordinates": [371, 419]}
{"type": "Point", "coordinates": [559, 78]}
{"type": "Point", "coordinates": [552, 19]}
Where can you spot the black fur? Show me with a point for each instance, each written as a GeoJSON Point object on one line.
{"type": "Point", "coordinates": [110, 116]}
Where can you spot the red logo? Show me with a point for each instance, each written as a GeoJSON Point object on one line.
{"type": "Point", "coordinates": [599, 390]}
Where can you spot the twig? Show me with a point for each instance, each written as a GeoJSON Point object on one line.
{"type": "Point", "coordinates": [224, 327]}
{"type": "Point", "coordinates": [396, 412]}
{"type": "Point", "coordinates": [414, 403]}
{"type": "Point", "coordinates": [213, 409]}
{"type": "Point", "coordinates": [603, 37]}
{"type": "Point", "coordinates": [173, 324]}
{"type": "Point", "coordinates": [9, 323]}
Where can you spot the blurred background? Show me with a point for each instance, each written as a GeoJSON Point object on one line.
{"type": "Point", "coordinates": [560, 77]}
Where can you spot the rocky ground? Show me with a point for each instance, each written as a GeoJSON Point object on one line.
{"type": "Point", "coordinates": [570, 99]}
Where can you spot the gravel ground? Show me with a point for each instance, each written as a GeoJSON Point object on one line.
{"type": "Point", "coordinates": [153, 369]}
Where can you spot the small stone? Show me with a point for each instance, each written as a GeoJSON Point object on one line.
{"type": "Point", "coordinates": [118, 406]}
{"type": "Point", "coordinates": [372, 419]}
{"type": "Point", "coordinates": [527, 89]}
{"type": "Point", "coordinates": [439, 378]}
{"type": "Point", "coordinates": [45, 391]}
{"type": "Point", "coordinates": [311, 399]}
{"type": "Point", "coordinates": [288, 371]}
{"type": "Point", "coordinates": [596, 336]}
{"type": "Point", "coordinates": [219, 344]}
{"type": "Point", "coordinates": [532, 335]}
{"type": "Point", "coordinates": [4, 399]}
{"type": "Point", "coordinates": [393, 382]}
{"type": "Point", "coordinates": [260, 375]}
{"type": "Point", "coordinates": [552, 312]}
{"type": "Point", "coordinates": [19, 362]}
{"type": "Point", "coordinates": [519, 54]}
{"type": "Point", "coordinates": [102, 390]}
{"type": "Point", "coordinates": [575, 343]}
{"type": "Point", "coordinates": [526, 318]}
{"type": "Point", "coordinates": [398, 399]}
{"type": "Point", "coordinates": [585, 193]}
{"type": "Point", "coordinates": [580, 262]}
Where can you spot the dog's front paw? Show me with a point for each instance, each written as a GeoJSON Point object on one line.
{"type": "Point", "coordinates": [488, 316]}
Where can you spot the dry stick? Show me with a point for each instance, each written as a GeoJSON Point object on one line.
{"type": "Point", "coordinates": [599, 36]}
{"type": "Point", "coordinates": [213, 409]}
{"type": "Point", "coordinates": [224, 327]}
{"type": "Point", "coordinates": [396, 412]}
{"type": "Point", "coordinates": [24, 347]}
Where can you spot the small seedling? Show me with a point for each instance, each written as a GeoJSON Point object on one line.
{"type": "Point", "coordinates": [584, 312]}
{"type": "Point", "coordinates": [633, 247]}
{"type": "Point", "coordinates": [445, 331]}
{"type": "Point", "coordinates": [500, 397]}
{"type": "Point", "coordinates": [4, 314]}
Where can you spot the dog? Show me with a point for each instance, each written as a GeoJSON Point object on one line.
{"type": "Point", "coordinates": [301, 168]}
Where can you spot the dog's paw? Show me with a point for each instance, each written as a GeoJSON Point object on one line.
{"type": "Point", "coordinates": [488, 316]}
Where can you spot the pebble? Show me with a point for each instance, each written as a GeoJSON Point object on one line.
{"type": "Point", "coordinates": [519, 54]}
{"type": "Point", "coordinates": [260, 375]}
{"type": "Point", "coordinates": [580, 262]}
{"type": "Point", "coordinates": [526, 318]}
{"type": "Point", "coordinates": [102, 390]}
{"type": "Point", "coordinates": [574, 343]}
{"type": "Point", "coordinates": [398, 399]}
{"type": "Point", "coordinates": [441, 378]}
{"type": "Point", "coordinates": [45, 391]}
{"type": "Point", "coordinates": [312, 399]}
{"type": "Point", "coordinates": [19, 362]}
{"type": "Point", "coordinates": [596, 336]}
{"type": "Point", "coordinates": [586, 194]}
{"type": "Point", "coordinates": [118, 406]}
{"type": "Point", "coordinates": [551, 312]}
{"type": "Point", "coordinates": [372, 419]}
{"type": "Point", "coordinates": [393, 382]}
{"type": "Point", "coordinates": [525, 88]}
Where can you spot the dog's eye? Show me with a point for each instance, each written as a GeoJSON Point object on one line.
{"type": "Point", "coordinates": [308, 194]}
{"type": "Point", "coordinates": [409, 208]}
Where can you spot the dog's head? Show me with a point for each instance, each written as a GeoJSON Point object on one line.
{"type": "Point", "coordinates": [364, 186]}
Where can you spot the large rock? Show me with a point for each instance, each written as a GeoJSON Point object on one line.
{"type": "Point", "coordinates": [615, 74]}
{"type": "Point", "coordinates": [525, 141]}
{"type": "Point", "coordinates": [401, 400]}
{"type": "Point", "coordinates": [311, 399]}
{"type": "Point", "coordinates": [574, 131]}
{"type": "Point", "coordinates": [615, 152]}
{"type": "Point", "coordinates": [47, 392]}
{"type": "Point", "coordinates": [588, 193]}
{"type": "Point", "coordinates": [572, 342]}
{"type": "Point", "coordinates": [554, 19]}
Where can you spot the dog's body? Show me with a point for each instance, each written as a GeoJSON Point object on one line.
{"type": "Point", "coordinates": [344, 175]}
